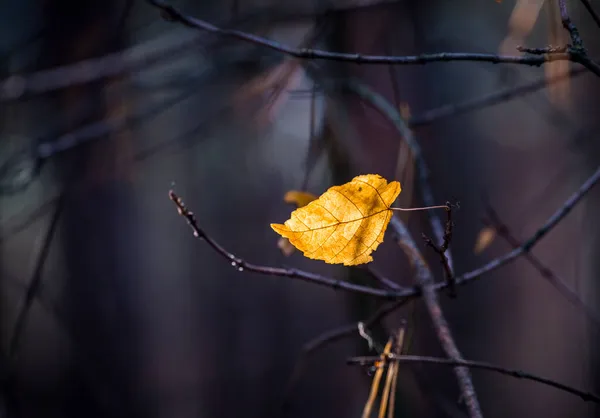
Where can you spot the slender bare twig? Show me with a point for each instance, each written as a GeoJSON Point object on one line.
{"type": "Point", "coordinates": [559, 284]}
{"type": "Point", "coordinates": [586, 396]}
{"type": "Point", "coordinates": [429, 295]}
{"type": "Point", "coordinates": [171, 13]}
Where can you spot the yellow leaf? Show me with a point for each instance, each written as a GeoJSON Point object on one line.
{"type": "Point", "coordinates": [285, 246]}
{"type": "Point", "coordinates": [346, 223]}
{"type": "Point", "coordinates": [299, 198]}
{"type": "Point", "coordinates": [484, 239]}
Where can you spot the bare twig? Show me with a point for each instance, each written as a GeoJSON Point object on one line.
{"type": "Point", "coordinates": [429, 295]}
{"type": "Point", "coordinates": [586, 396]}
{"type": "Point", "coordinates": [173, 14]}
{"type": "Point", "coordinates": [558, 283]}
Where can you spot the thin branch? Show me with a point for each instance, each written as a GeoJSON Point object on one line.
{"type": "Point", "coordinates": [586, 396]}
{"type": "Point", "coordinates": [242, 265]}
{"type": "Point", "coordinates": [559, 284]}
{"type": "Point", "coordinates": [36, 279]}
{"type": "Point", "coordinates": [171, 13]}
{"type": "Point", "coordinates": [429, 295]}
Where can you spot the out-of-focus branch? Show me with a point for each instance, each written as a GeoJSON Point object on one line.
{"type": "Point", "coordinates": [586, 396]}
{"type": "Point", "coordinates": [491, 99]}
{"type": "Point", "coordinates": [559, 284]}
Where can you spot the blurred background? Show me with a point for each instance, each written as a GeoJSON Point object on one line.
{"type": "Point", "coordinates": [110, 308]}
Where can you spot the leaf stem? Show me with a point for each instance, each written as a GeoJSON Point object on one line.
{"type": "Point", "coordinates": [421, 208]}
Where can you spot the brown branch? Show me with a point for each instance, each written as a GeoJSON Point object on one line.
{"type": "Point", "coordinates": [243, 265]}
{"type": "Point", "coordinates": [171, 13]}
{"type": "Point", "coordinates": [559, 284]}
{"type": "Point", "coordinates": [586, 396]}
{"type": "Point", "coordinates": [429, 295]}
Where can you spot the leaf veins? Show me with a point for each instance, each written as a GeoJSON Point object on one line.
{"type": "Point", "coordinates": [346, 223]}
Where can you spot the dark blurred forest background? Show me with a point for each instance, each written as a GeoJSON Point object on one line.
{"type": "Point", "coordinates": [110, 308]}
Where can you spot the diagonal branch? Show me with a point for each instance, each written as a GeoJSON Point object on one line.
{"type": "Point", "coordinates": [586, 396]}
{"type": "Point", "coordinates": [36, 280]}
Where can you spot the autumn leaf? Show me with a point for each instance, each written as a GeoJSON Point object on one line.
{"type": "Point", "coordinates": [484, 239]}
{"type": "Point", "coordinates": [346, 223]}
{"type": "Point", "coordinates": [300, 199]}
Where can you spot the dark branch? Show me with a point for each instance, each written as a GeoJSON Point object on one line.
{"type": "Point", "coordinates": [586, 396]}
